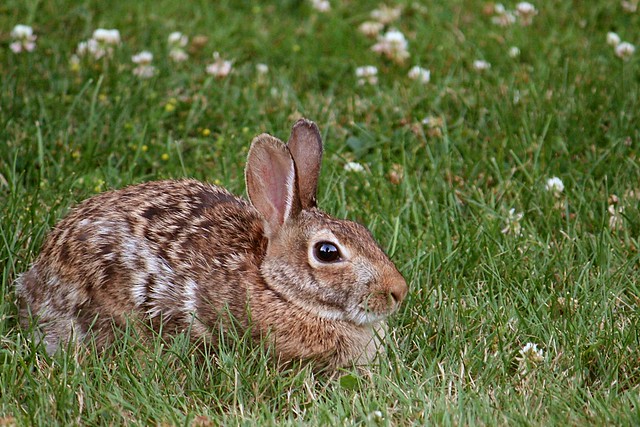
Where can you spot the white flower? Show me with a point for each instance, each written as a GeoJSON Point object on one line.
{"type": "Point", "coordinates": [385, 14]}
{"type": "Point", "coordinates": [220, 68]}
{"type": "Point", "coordinates": [321, 5]}
{"type": "Point", "coordinates": [615, 218]}
{"type": "Point", "coordinates": [100, 44]}
{"type": "Point", "coordinates": [513, 223]}
{"type": "Point", "coordinates": [393, 45]}
{"type": "Point", "coordinates": [144, 71]}
{"type": "Point", "coordinates": [499, 9]}
{"type": "Point", "coordinates": [526, 11]}
{"type": "Point", "coordinates": [83, 47]}
{"type": "Point", "coordinates": [504, 19]}
{"type": "Point", "coordinates": [531, 353]}
{"type": "Point", "coordinates": [353, 167]}
{"type": "Point", "coordinates": [613, 39]}
{"type": "Point", "coordinates": [262, 69]}
{"type": "Point", "coordinates": [481, 65]}
{"type": "Point", "coordinates": [624, 50]}
{"type": "Point", "coordinates": [178, 55]}
{"type": "Point", "coordinates": [24, 40]}
{"type": "Point", "coordinates": [376, 416]}
{"type": "Point", "coordinates": [143, 58]}
{"type": "Point", "coordinates": [93, 48]}
{"type": "Point", "coordinates": [177, 39]}
{"type": "Point", "coordinates": [367, 74]}
{"type": "Point", "coordinates": [555, 185]}
{"type": "Point", "coordinates": [514, 52]}
{"type": "Point", "coordinates": [21, 32]}
{"type": "Point", "coordinates": [108, 37]}
{"type": "Point", "coordinates": [371, 28]}
{"type": "Point", "coordinates": [16, 47]}
{"type": "Point", "coordinates": [421, 74]}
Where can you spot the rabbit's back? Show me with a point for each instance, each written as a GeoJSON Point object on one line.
{"type": "Point", "coordinates": [151, 251]}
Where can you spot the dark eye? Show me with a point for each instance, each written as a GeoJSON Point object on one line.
{"type": "Point", "coordinates": [326, 252]}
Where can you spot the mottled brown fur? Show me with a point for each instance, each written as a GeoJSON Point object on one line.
{"type": "Point", "coordinates": [181, 254]}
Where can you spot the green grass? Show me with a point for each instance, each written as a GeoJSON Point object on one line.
{"type": "Point", "coordinates": [566, 107]}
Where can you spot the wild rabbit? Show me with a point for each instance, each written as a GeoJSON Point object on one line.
{"type": "Point", "coordinates": [184, 254]}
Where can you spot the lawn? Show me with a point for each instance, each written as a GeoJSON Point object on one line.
{"type": "Point", "coordinates": [504, 183]}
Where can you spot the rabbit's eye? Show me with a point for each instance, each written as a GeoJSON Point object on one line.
{"type": "Point", "coordinates": [326, 252]}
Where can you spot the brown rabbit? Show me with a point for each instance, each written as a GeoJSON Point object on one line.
{"type": "Point", "coordinates": [184, 254]}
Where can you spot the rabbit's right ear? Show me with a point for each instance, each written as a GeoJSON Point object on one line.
{"type": "Point", "coordinates": [305, 145]}
{"type": "Point", "coordinates": [271, 181]}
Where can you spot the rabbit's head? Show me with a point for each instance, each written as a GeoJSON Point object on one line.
{"type": "Point", "coordinates": [332, 268]}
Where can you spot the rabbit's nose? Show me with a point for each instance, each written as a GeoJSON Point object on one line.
{"type": "Point", "coordinates": [397, 287]}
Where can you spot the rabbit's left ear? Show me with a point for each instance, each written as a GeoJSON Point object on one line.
{"type": "Point", "coordinates": [305, 145]}
{"type": "Point", "coordinates": [271, 182]}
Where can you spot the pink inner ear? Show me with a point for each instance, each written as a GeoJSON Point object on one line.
{"type": "Point", "coordinates": [277, 180]}
{"type": "Point", "coordinates": [270, 178]}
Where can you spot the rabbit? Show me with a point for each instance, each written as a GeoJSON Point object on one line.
{"type": "Point", "coordinates": [184, 255]}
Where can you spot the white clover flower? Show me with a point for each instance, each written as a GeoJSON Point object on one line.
{"type": "Point", "coordinates": [100, 44]}
{"type": "Point", "coordinates": [108, 37]}
{"type": "Point", "coordinates": [514, 52]}
{"type": "Point", "coordinates": [220, 68]}
{"type": "Point", "coordinates": [531, 353]}
{"type": "Point", "coordinates": [504, 19]}
{"type": "Point", "coordinates": [625, 50]}
{"type": "Point", "coordinates": [21, 31]}
{"type": "Point", "coordinates": [262, 69]}
{"type": "Point", "coordinates": [83, 48]}
{"type": "Point", "coordinates": [376, 416]}
{"type": "Point", "coordinates": [177, 39]}
{"type": "Point", "coordinates": [555, 185]}
{"type": "Point", "coordinates": [23, 39]}
{"type": "Point", "coordinates": [321, 5]}
{"type": "Point", "coordinates": [353, 167]}
{"type": "Point", "coordinates": [613, 39]}
{"type": "Point", "coordinates": [393, 45]}
{"type": "Point", "coordinates": [499, 9]}
{"type": "Point", "coordinates": [367, 75]}
{"type": "Point", "coordinates": [615, 217]}
{"type": "Point", "coordinates": [513, 223]}
{"type": "Point", "coordinates": [385, 14]}
{"type": "Point", "coordinates": [93, 48]}
{"type": "Point", "coordinates": [144, 71]}
{"type": "Point", "coordinates": [371, 28]}
{"type": "Point", "coordinates": [481, 65]}
{"type": "Point", "coordinates": [526, 11]}
{"type": "Point", "coordinates": [143, 58]}
{"type": "Point", "coordinates": [178, 55]}
{"type": "Point", "coordinates": [420, 74]}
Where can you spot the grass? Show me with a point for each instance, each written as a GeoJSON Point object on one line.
{"type": "Point", "coordinates": [436, 195]}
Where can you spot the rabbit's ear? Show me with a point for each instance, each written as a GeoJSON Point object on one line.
{"type": "Point", "coordinates": [305, 145]}
{"type": "Point", "coordinates": [271, 181]}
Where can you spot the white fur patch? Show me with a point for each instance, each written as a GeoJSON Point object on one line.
{"type": "Point", "coordinates": [290, 182]}
{"type": "Point", "coordinates": [190, 295]}
{"type": "Point", "coordinates": [138, 292]}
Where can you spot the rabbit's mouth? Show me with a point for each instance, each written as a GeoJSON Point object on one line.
{"type": "Point", "coordinates": [363, 317]}
{"type": "Point", "coordinates": [375, 308]}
